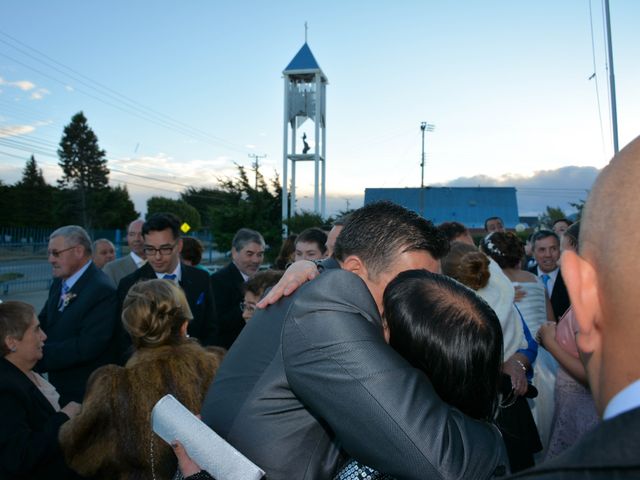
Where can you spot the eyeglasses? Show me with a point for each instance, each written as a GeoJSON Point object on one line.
{"type": "Point", "coordinates": [247, 307]}
{"type": "Point", "coordinates": [57, 253]}
{"type": "Point", "coordinates": [152, 251]}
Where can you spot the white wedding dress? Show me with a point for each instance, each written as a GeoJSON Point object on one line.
{"type": "Point", "coordinates": [533, 308]}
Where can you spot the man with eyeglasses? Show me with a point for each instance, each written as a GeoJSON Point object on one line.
{"type": "Point", "coordinates": [120, 268]}
{"type": "Point", "coordinates": [162, 247]}
{"type": "Point", "coordinates": [79, 315]}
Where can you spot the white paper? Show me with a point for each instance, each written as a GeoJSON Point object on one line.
{"type": "Point", "coordinates": [173, 421]}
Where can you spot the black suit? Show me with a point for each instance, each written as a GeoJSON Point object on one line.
{"type": "Point", "coordinates": [227, 284]}
{"type": "Point", "coordinates": [28, 429]}
{"type": "Point", "coordinates": [311, 378]}
{"type": "Point", "coordinates": [611, 450]}
{"type": "Point", "coordinates": [80, 338]}
{"type": "Point", "coordinates": [197, 289]}
{"type": "Point", "coordinates": [560, 301]}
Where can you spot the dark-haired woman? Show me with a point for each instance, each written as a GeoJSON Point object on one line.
{"type": "Point", "coordinates": [111, 438]}
{"type": "Point", "coordinates": [452, 335]}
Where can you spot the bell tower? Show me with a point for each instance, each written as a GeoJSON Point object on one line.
{"type": "Point", "coordinates": [304, 100]}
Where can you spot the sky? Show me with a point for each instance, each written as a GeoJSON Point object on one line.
{"type": "Point", "coordinates": [179, 93]}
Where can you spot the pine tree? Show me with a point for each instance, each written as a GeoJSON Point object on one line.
{"type": "Point", "coordinates": [83, 163]}
{"type": "Point", "coordinates": [33, 198]}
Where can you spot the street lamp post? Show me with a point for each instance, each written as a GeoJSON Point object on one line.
{"type": "Point", "coordinates": [424, 127]}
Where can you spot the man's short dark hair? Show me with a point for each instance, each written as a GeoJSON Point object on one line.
{"type": "Point", "coordinates": [492, 218]}
{"type": "Point", "coordinates": [565, 220]}
{"type": "Point", "coordinates": [161, 221]}
{"type": "Point", "coordinates": [314, 235]}
{"type": "Point", "coordinates": [192, 249]}
{"type": "Point", "coordinates": [452, 230]}
{"type": "Point", "coordinates": [245, 236]}
{"type": "Point", "coordinates": [541, 234]}
{"type": "Point", "coordinates": [444, 329]}
{"type": "Point", "coordinates": [380, 231]}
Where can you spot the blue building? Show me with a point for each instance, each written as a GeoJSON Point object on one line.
{"type": "Point", "coordinates": [467, 205]}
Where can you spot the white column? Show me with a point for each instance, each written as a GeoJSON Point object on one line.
{"type": "Point", "coordinates": [316, 186]}
{"type": "Point", "coordinates": [285, 159]}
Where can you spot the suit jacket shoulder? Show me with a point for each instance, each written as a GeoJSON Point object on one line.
{"type": "Point", "coordinates": [120, 268]}
{"type": "Point", "coordinates": [610, 450]}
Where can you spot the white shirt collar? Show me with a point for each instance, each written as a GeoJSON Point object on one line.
{"type": "Point", "coordinates": [626, 399]}
{"type": "Point", "coordinates": [137, 260]}
{"type": "Point", "coordinates": [70, 282]}
{"type": "Point", "coordinates": [177, 272]}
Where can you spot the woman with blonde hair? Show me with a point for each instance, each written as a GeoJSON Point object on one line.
{"type": "Point", "coordinates": [112, 438]}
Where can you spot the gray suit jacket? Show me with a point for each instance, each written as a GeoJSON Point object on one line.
{"type": "Point", "coordinates": [310, 381]}
{"type": "Point", "coordinates": [120, 268]}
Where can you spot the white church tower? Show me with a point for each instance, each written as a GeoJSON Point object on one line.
{"type": "Point", "coordinates": [304, 99]}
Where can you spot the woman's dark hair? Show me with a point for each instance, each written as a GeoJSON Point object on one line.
{"type": "Point", "coordinates": [467, 265]}
{"type": "Point", "coordinates": [452, 230]}
{"type": "Point", "coordinates": [285, 256]}
{"type": "Point", "coordinates": [192, 249]}
{"type": "Point", "coordinates": [504, 247]}
{"type": "Point", "coordinates": [450, 333]}
{"type": "Point", "coordinates": [15, 319]}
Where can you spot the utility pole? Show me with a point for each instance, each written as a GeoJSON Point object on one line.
{"type": "Point", "coordinates": [424, 127]}
{"type": "Point", "coordinates": [256, 165]}
{"type": "Point", "coordinates": [612, 79]}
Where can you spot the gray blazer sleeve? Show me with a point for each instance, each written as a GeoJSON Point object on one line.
{"type": "Point", "coordinates": [384, 412]}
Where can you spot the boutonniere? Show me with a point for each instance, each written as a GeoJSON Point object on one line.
{"type": "Point", "coordinates": [66, 299]}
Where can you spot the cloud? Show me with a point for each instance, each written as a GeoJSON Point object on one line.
{"type": "Point", "coordinates": [24, 85]}
{"type": "Point", "coordinates": [39, 94]}
{"type": "Point", "coordinates": [15, 130]}
{"type": "Point", "coordinates": [69, 88]}
{"type": "Point", "coordinates": [555, 188]}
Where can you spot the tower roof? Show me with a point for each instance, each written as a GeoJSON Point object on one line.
{"type": "Point", "coordinates": [303, 62]}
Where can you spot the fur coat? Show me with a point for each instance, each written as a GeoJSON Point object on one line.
{"type": "Point", "coordinates": [111, 437]}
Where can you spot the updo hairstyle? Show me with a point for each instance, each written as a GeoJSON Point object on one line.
{"type": "Point", "coordinates": [504, 247]}
{"type": "Point", "coordinates": [467, 265]}
{"type": "Point", "coordinates": [153, 313]}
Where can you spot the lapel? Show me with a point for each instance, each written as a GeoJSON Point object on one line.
{"type": "Point", "coordinates": [77, 288]}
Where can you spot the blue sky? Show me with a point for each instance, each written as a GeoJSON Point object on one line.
{"type": "Point", "coordinates": [505, 83]}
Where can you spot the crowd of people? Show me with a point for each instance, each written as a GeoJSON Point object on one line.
{"type": "Point", "coordinates": [389, 349]}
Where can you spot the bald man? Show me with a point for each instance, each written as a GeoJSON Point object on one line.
{"type": "Point", "coordinates": [602, 284]}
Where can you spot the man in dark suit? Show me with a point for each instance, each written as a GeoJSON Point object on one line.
{"type": "Point", "coordinates": [546, 251]}
{"type": "Point", "coordinates": [602, 284]}
{"type": "Point", "coordinates": [247, 252]}
{"type": "Point", "coordinates": [79, 315]}
{"type": "Point", "coordinates": [162, 246]}
{"type": "Point", "coordinates": [120, 268]}
{"type": "Point", "coordinates": [311, 380]}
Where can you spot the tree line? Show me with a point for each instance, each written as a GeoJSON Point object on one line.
{"type": "Point", "coordinates": [83, 196]}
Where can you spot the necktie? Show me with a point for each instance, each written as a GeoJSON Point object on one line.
{"type": "Point", "coordinates": [545, 279]}
{"type": "Point", "coordinates": [170, 276]}
{"type": "Point", "coordinates": [65, 289]}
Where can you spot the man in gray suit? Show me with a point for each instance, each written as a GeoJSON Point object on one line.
{"type": "Point", "coordinates": [311, 381]}
{"type": "Point", "coordinates": [118, 269]}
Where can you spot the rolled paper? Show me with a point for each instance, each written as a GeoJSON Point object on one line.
{"type": "Point", "coordinates": [173, 421]}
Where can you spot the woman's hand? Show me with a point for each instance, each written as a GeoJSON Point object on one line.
{"type": "Point", "coordinates": [546, 334]}
{"type": "Point", "coordinates": [187, 466]}
{"type": "Point", "coordinates": [71, 409]}
{"type": "Point", "coordinates": [518, 374]}
{"type": "Point", "coordinates": [294, 277]}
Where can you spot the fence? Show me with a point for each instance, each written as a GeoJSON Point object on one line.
{"type": "Point", "coordinates": [23, 255]}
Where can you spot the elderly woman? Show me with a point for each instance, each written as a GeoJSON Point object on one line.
{"type": "Point", "coordinates": [30, 415]}
{"type": "Point", "coordinates": [111, 438]}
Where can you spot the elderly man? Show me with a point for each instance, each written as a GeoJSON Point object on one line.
{"type": "Point", "coordinates": [79, 315]}
{"type": "Point", "coordinates": [311, 380]}
{"type": "Point", "coordinates": [162, 247]}
{"type": "Point", "coordinates": [602, 285]}
{"type": "Point", "coordinates": [118, 269]}
{"type": "Point", "coordinates": [103, 252]}
{"type": "Point", "coordinates": [247, 252]}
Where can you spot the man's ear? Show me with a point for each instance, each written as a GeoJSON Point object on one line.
{"type": "Point", "coordinates": [582, 284]}
{"type": "Point", "coordinates": [354, 264]}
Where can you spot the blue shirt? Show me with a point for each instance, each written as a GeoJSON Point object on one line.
{"type": "Point", "coordinates": [626, 399]}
